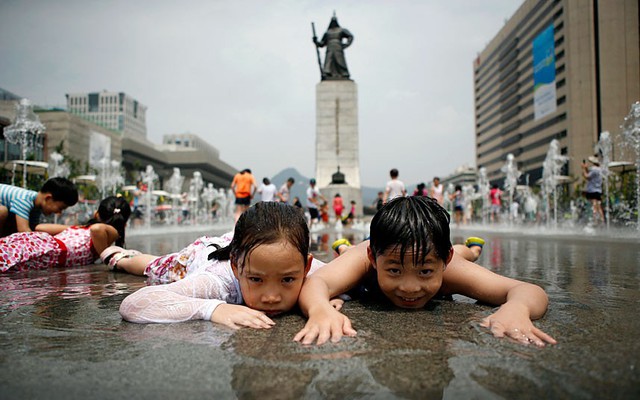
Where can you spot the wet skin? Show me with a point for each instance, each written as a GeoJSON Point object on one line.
{"type": "Point", "coordinates": [406, 284]}
{"type": "Point", "coordinates": [272, 277]}
{"type": "Point", "coordinates": [51, 206]}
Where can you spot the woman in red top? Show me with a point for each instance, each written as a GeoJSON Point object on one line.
{"type": "Point", "coordinates": [338, 206]}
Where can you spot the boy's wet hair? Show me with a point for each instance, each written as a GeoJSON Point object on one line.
{"type": "Point", "coordinates": [114, 211]}
{"type": "Point", "coordinates": [61, 189]}
{"type": "Point", "coordinates": [266, 223]}
{"type": "Point", "coordinates": [413, 224]}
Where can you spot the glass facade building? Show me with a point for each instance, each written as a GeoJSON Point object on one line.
{"type": "Point", "coordinates": [560, 69]}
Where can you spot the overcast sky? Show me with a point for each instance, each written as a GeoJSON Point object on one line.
{"type": "Point", "coordinates": [242, 74]}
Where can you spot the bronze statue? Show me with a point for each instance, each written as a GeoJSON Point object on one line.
{"type": "Point", "coordinates": [335, 64]}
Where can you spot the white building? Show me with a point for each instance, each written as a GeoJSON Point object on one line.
{"type": "Point", "coordinates": [113, 110]}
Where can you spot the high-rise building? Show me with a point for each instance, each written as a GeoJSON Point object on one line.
{"type": "Point", "coordinates": [113, 110]}
{"type": "Point", "coordinates": [561, 69]}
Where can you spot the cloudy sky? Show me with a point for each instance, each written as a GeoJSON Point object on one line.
{"type": "Point", "coordinates": [242, 74]}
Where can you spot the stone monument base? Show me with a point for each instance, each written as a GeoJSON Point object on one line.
{"type": "Point", "coordinates": [347, 193]}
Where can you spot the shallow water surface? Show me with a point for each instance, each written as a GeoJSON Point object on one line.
{"type": "Point", "coordinates": [61, 336]}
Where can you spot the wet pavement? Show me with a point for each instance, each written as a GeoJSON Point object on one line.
{"type": "Point", "coordinates": [61, 336]}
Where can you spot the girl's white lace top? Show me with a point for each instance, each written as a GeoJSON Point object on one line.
{"type": "Point", "coordinates": [194, 297]}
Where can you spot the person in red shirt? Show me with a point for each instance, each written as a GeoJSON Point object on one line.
{"type": "Point", "coordinates": [338, 206]}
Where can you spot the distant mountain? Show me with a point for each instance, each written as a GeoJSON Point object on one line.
{"type": "Point", "coordinates": [299, 189]}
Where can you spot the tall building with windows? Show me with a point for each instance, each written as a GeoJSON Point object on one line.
{"type": "Point", "coordinates": [113, 110]}
{"type": "Point", "coordinates": [558, 69]}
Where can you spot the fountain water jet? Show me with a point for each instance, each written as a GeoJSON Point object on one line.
{"type": "Point", "coordinates": [56, 167]}
{"type": "Point", "coordinates": [551, 169]}
{"type": "Point", "coordinates": [148, 177]}
{"type": "Point", "coordinates": [511, 180]}
{"type": "Point", "coordinates": [631, 134]}
{"type": "Point", "coordinates": [174, 186]}
{"type": "Point", "coordinates": [483, 189]}
{"type": "Point", "coordinates": [25, 131]}
{"type": "Point", "coordinates": [195, 189]}
{"type": "Point", "coordinates": [605, 148]}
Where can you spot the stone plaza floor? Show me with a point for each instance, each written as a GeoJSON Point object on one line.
{"type": "Point", "coordinates": [61, 336]}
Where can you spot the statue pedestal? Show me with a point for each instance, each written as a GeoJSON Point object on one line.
{"type": "Point", "coordinates": [337, 141]}
{"type": "Point", "coordinates": [347, 193]}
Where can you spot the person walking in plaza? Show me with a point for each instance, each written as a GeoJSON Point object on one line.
{"type": "Point", "coordinates": [338, 206]}
{"type": "Point", "coordinates": [267, 190]}
{"type": "Point", "coordinates": [21, 209]}
{"type": "Point", "coordinates": [244, 187]}
{"type": "Point", "coordinates": [379, 201]}
{"type": "Point", "coordinates": [420, 190]}
{"type": "Point", "coordinates": [457, 198]}
{"type": "Point", "coordinates": [495, 197]}
{"type": "Point", "coordinates": [137, 215]}
{"type": "Point", "coordinates": [313, 201]}
{"type": "Point", "coordinates": [395, 187]}
{"type": "Point", "coordinates": [593, 191]}
{"type": "Point", "coordinates": [284, 193]}
{"type": "Point", "coordinates": [437, 191]}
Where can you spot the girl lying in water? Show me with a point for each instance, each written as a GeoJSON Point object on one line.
{"type": "Point", "coordinates": [239, 281]}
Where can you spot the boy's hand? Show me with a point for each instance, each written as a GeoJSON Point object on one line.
{"type": "Point", "coordinates": [336, 303]}
{"type": "Point", "coordinates": [236, 316]}
{"type": "Point", "coordinates": [517, 326]}
{"type": "Point", "coordinates": [324, 325]}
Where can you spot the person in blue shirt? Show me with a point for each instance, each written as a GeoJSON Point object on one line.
{"type": "Point", "coordinates": [20, 209]}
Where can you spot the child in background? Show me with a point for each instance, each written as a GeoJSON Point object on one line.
{"type": "Point", "coordinates": [352, 214]}
{"type": "Point", "coordinates": [458, 205]}
{"type": "Point", "coordinates": [338, 206]}
{"type": "Point", "coordinates": [324, 212]}
{"type": "Point", "coordinates": [409, 260]}
{"type": "Point", "coordinates": [66, 246]}
{"type": "Point", "coordinates": [20, 209]}
{"type": "Point", "coordinates": [421, 190]}
{"type": "Point", "coordinates": [495, 195]}
{"type": "Point", "coordinates": [395, 187]}
{"type": "Point", "coordinates": [437, 190]}
{"type": "Point", "coordinates": [235, 281]}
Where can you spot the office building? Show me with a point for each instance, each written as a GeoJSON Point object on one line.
{"type": "Point", "coordinates": [561, 69]}
{"type": "Point", "coordinates": [113, 110]}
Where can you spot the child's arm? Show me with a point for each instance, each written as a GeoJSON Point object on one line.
{"type": "Point", "coordinates": [102, 236]}
{"type": "Point", "coordinates": [195, 297]}
{"type": "Point", "coordinates": [335, 278]}
{"type": "Point", "coordinates": [22, 225]}
{"type": "Point", "coordinates": [520, 302]}
{"type": "Point", "coordinates": [51, 229]}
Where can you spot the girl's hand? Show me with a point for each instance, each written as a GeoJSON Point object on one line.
{"type": "Point", "coordinates": [324, 325]}
{"type": "Point", "coordinates": [236, 316]}
{"type": "Point", "coordinates": [517, 326]}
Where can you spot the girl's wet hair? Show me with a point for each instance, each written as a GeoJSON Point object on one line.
{"type": "Point", "coordinates": [114, 211]}
{"type": "Point", "coordinates": [265, 223]}
{"type": "Point", "coordinates": [413, 224]}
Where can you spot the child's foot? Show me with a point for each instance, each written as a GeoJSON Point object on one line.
{"type": "Point", "coordinates": [340, 246]}
{"type": "Point", "coordinates": [113, 254]}
{"type": "Point", "coordinates": [475, 245]}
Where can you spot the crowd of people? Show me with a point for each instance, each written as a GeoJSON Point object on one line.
{"type": "Point", "coordinates": [264, 268]}
{"type": "Point", "coordinates": [467, 203]}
